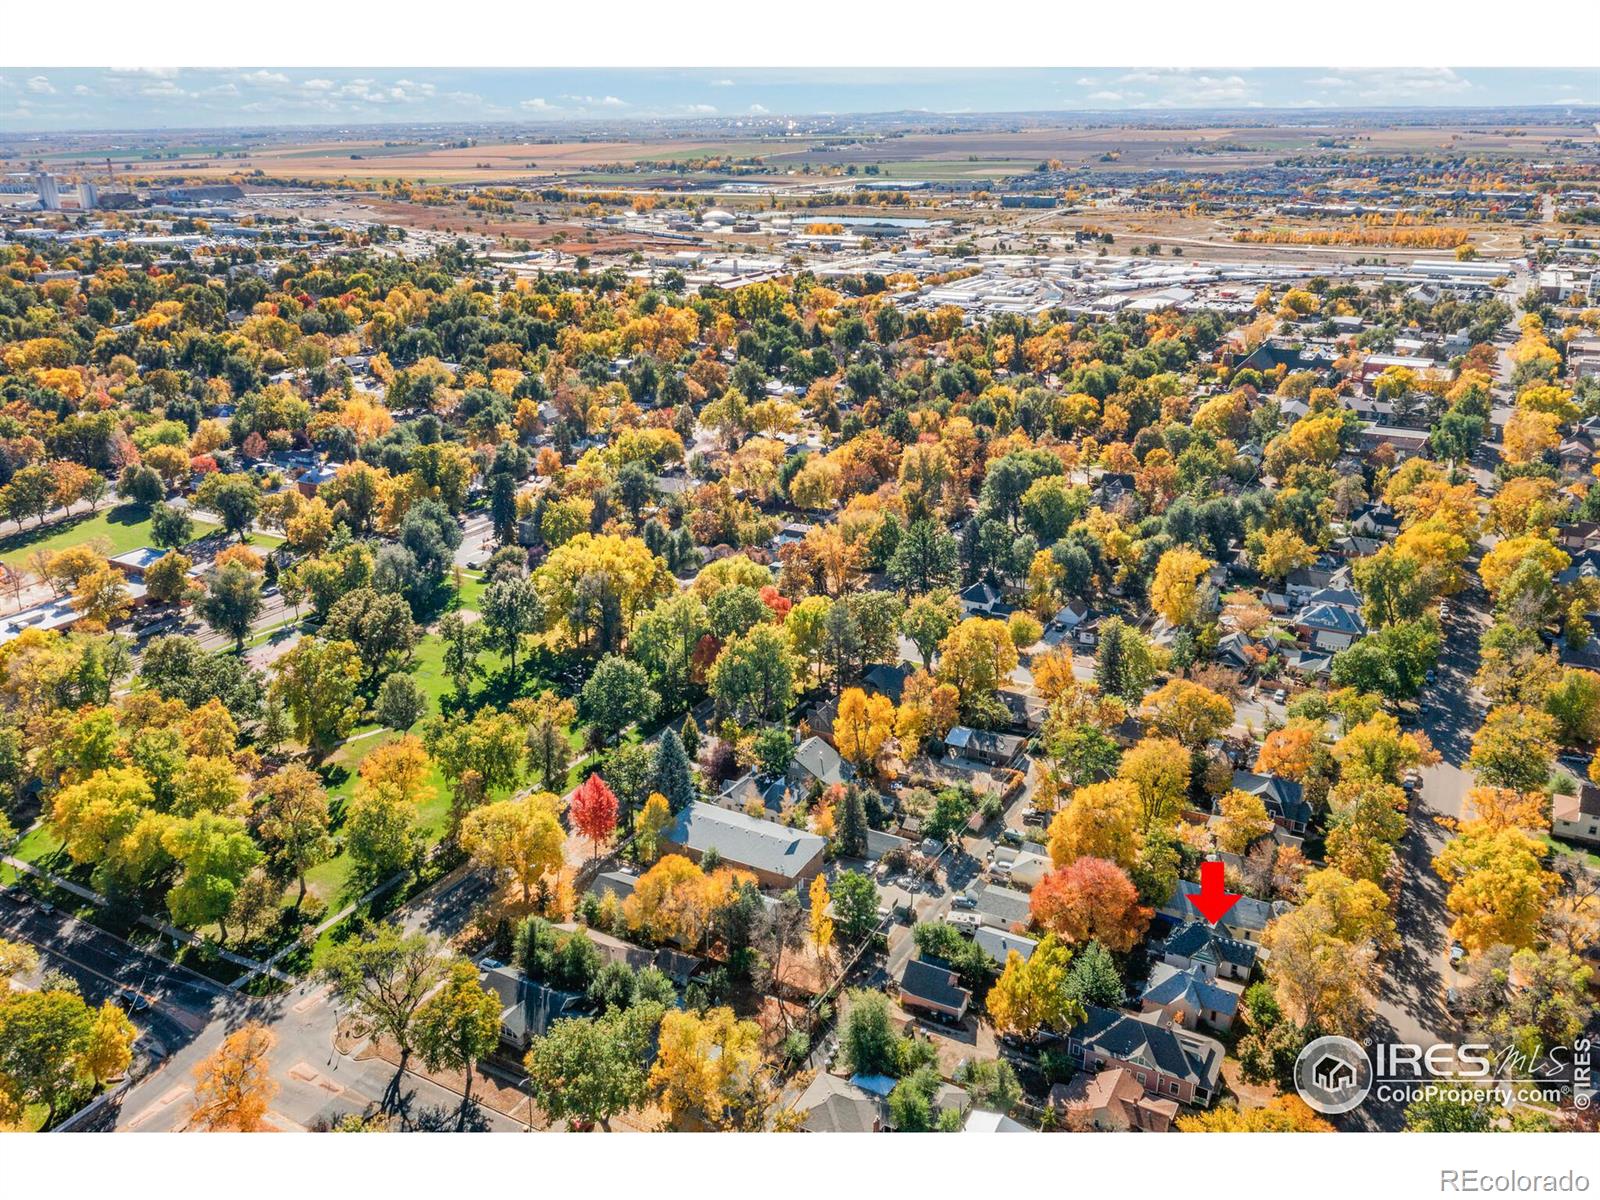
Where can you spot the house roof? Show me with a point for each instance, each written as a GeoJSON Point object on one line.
{"type": "Point", "coordinates": [1247, 913]}
{"type": "Point", "coordinates": [834, 1105]}
{"type": "Point", "coordinates": [745, 841]}
{"type": "Point", "coordinates": [1335, 618]}
{"type": "Point", "coordinates": [1169, 984]}
{"type": "Point", "coordinates": [1199, 942]}
{"type": "Point", "coordinates": [1178, 1053]}
{"type": "Point", "coordinates": [890, 681]}
{"type": "Point", "coordinates": [931, 980]}
{"type": "Point", "coordinates": [1115, 1090]}
{"type": "Point", "coordinates": [962, 737]}
{"type": "Point", "coordinates": [528, 1007]}
{"type": "Point", "coordinates": [822, 762]}
{"type": "Point", "coordinates": [999, 943]}
{"type": "Point", "coordinates": [983, 1120]}
{"type": "Point", "coordinates": [880, 843]}
{"type": "Point", "coordinates": [1004, 905]}
{"type": "Point", "coordinates": [1282, 797]}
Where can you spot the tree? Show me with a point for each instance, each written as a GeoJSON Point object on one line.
{"type": "Point", "coordinates": [458, 1024]}
{"type": "Point", "coordinates": [503, 507]}
{"type": "Point", "coordinates": [292, 822]}
{"type": "Point", "coordinates": [1031, 993]}
{"type": "Point", "coordinates": [170, 528]}
{"type": "Point", "coordinates": [926, 558]}
{"type": "Point", "coordinates": [864, 723]}
{"type": "Point", "coordinates": [1188, 712]}
{"type": "Point", "coordinates": [378, 625]}
{"type": "Point", "coordinates": [650, 823]}
{"type": "Point", "coordinates": [1175, 591]}
{"type": "Point", "coordinates": [1158, 769]}
{"type": "Point", "coordinates": [821, 921]}
{"type": "Point", "coordinates": [1289, 751]}
{"type": "Point", "coordinates": [753, 678]}
{"type": "Point", "coordinates": [850, 836]}
{"type": "Point", "coordinates": [231, 602]}
{"type": "Point", "coordinates": [1514, 748]}
{"type": "Point", "coordinates": [167, 579]}
{"type": "Point", "coordinates": [855, 902]}
{"type": "Point", "coordinates": [707, 1067]}
{"type": "Point", "coordinates": [1392, 661]}
{"type": "Point", "coordinates": [1094, 978]}
{"type": "Point", "coordinates": [593, 1068]}
{"type": "Point", "coordinates": [234, 498]}
{"type": "Point", "coordinates": [1243, 821]}
{"type": "Point", "coordinates": [384, 975]}
{"type": "Point", "coordinates": [672, 772]}
{"type": "Point", "coordinates": [618, 694]}
{"type": "Point", "coordinates": [43, 1037]}
{"type": "Point", "coordinates": [1090, 898]}
{"type": "Point", "coordinates": [975, 658]}
{"type": "Point", "coordinates": [1530, 1000]}
{"type": "Point", "coordinates": [512, 609]}
{"type": "Point", "coordinates": [1101, 820]}
{"type": "Point", "coordinates": [1320, 979]}
{"type": "Point", "coordinates": [1461, 1108]}
{"type": "Point", "coordinates": [868, 1044]}
{"type": "Point", "coordinates": [549, 750]}
{"type": "Point", "coordinates": [318, 682]}
{"type": "Point", "coordinates": [594, 810]}
{"type": "Point", "coordinates": [215, 854]}
{"type": "Point", "coordinates": [1499, 886]}
{"type": "Point", "coordinates": [928, 620]}
{"type": "Point", "coordinates": [102, 597]}
{"type": "Point", "coordinates": [108, 1051]}
{"type": "Point", "coordinates": [521, 837]}
{"type": "Point", "coordinates": [401, 702]}
{"type": "Point", "coordinates": [1124, 662]}
{"type": "Point", "coordinates": [1282, 1114]}
{"type": "Point", "coordinates": [461, 641]}
{"type": "Point", "coordinates": [1574, 701]}
{"type": "Point", "coordinates": [232, 1086]}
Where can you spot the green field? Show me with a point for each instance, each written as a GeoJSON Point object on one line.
{"type": "Point", "coordinates": [125, 527]}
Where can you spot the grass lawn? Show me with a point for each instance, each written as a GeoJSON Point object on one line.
{"type": "Point", "coordinates": [125, 527]}
{"type": "Point", "coordinates": [1557, 846]}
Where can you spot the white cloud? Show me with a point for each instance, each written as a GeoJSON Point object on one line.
{"type": "Point", "coordinates": [538, 104]}
{"type": "Point", "coordinates": [318, 85]}
{"type": "Point", "coordinates": [1105, 97]}
{"type": "Point", "coordinates": [41, 86]}
{"type": "Point", "coordinates": [722, 83]}
{"type": "Point", "coordinates": [759, 109]}
{"type": "Point", "coordinates": [264, 78]}
{"type": "Point", "coordinates": [702, 109]}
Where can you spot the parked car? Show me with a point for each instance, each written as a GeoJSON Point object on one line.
{"type": "Point", "coordinates": [964, 901]}
{"type": "Point", "coordinates": [1458, 953]}
{"type": "Point", "coordinates": [131, 1000]}
{"type": "Point", "coordinates": [1280, 696]}
{"type": "Point", "coordinates": [1012, 837]}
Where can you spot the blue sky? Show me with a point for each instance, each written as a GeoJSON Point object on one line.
{"type": "Point", "coordinates": [62, 98]}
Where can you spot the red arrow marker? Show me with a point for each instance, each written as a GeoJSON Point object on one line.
{"type": "Point", "coordinates": [1211, 900]}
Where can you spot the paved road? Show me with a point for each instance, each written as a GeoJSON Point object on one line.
{"type": "Point", "coordinates": [181, 1004]}
{"type": "Point", "coordinates": [1411, 1004]}
{"type": "Point", "coordinates": [317, 1084]}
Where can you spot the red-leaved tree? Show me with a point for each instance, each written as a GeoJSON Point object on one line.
{"type": "Point", "coordinates": [594, 810]}
{"type": "Point", "coordinates": [1091, 898]}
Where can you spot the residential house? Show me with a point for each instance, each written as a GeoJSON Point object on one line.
{"type": "Point", "coordinates": [778, 856]}
{"type": "Point", "coordinates": [998, 944]}
{"type": "Point", "coordinates": [1167, 1061]}
{"type": "Point", "coordinates": [1284, 799]}
{"type": "Point", "coordinates": [1243, 922]}
{"type": "Point", "coordinates": [1577, 818]}
{"type": "Point", "coordinates": [1198, 944]}
{"type": "Point", "coordinates": [983, 1120]}
{"type": "Point", "coordinates": [834, 1105]}
{"type": "Point", "coordinates": [817, 764]}
{"type": "Point", "coordinates": [527, 1007]}
{"type": "Point", "coordinates": [1187, 996]}
{"type": "Point", "coordinates": [1329, 627]}
{"type": "Point", "coordinates": [930, 986]}
{"type": "Point", "coordinates": [1113, 1101]}
{"type": "Point", "coordinates": [984, 745]}
{"type": "Point", "coordinates": [984, 600]}
{"type": "Point", "coordinates": [1000, 907]}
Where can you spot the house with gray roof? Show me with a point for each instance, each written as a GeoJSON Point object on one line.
{"type": "Point", "coordinates": [818, 764]}
{"type": "Point", "coordinates": [1000, 907]}
{"type": "Point", "coordinates": [999, 943]}
{"type": "Point", "coordinates": [1284, 799]}
{"type": "Point", "coordinates": [778, 856]}
{"type": "Point", "coordinates": [1170, 1062]}
{"type": "Point", "coordinates": [527, 1007]}
{"type": "Point", "coordinates": [1187, 997]}
{"type": "Point", "coordinates": [1330, 627]}
{"type": "Point", "coordinates": [928, 985]}
{"type": "Point", "coordinates": [1243, 922]}
{"type": "Point", "coordinates": [834, 1105]}
{"type": "Point", "coordinates": [1197, 944]}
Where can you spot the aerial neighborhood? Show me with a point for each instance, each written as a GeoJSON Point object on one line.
{"type": "Point", "coordinates": [761, 650]}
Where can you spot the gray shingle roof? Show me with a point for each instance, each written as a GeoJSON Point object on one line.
{"type": "Point", "coordinates": [745, 841]}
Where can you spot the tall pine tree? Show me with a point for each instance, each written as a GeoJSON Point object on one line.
{"type": "Point", "coordinates": [672, 772]}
